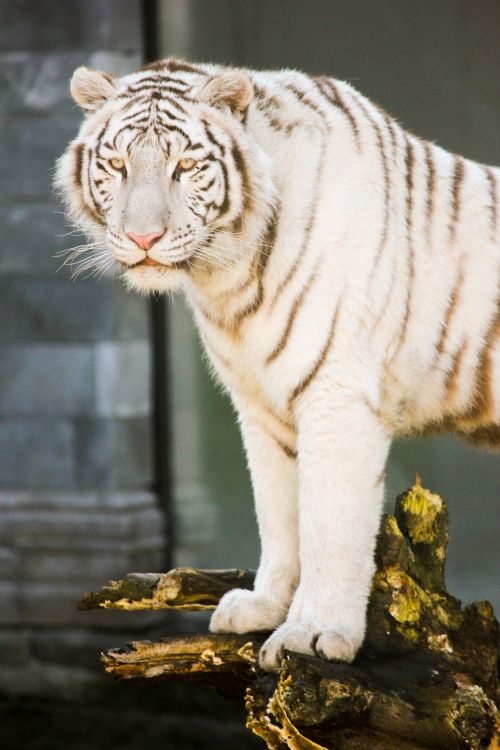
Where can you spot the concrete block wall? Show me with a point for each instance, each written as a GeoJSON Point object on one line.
{"type": "Point", "coordinates": [76, 506]}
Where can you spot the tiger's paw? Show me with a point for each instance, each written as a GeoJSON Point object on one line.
{"type": "Point", "coordinates": [305, 638]}
{"type": "Point", "coordinates": [243, 611]}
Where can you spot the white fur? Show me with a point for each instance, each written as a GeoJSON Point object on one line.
{"type": "Point", "coordinates": [319, 513]}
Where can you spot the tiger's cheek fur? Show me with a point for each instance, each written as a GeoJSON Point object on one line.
{"type": "Point", "coordinates": [350, 294]}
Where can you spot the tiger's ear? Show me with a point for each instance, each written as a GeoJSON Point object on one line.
{"type": "Point", "coordinates": [232, 89]}
{"type": "Point", "coordinates": [90, 88]}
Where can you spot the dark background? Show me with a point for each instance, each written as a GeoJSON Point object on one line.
{"type": "Point", "coordinates": [116, 450]}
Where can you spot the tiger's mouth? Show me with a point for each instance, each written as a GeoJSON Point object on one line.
{"type": "Point", "coordinates": [147, 261]}
{"type": "Point", "coordinates": [182, 256]}
{"type": "Point", "coordinates": [152, 263]}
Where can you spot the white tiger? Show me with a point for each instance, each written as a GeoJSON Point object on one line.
{"type": "Point", "coordinates": [344, 278]}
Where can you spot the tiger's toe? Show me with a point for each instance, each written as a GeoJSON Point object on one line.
{"type": "Point", "coordinates": [305, 638]}
{"type": "Point", "coordinates": [243, 611]}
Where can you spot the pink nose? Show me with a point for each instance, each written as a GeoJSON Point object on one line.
{"type": "Point", "coordinates": [145, 241]}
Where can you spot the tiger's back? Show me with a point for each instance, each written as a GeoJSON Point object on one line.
{"type": "Point", "coordinates": [405, 232]}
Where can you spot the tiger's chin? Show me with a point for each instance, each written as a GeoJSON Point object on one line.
{"type": "Point", "coordinates": [159, 279]}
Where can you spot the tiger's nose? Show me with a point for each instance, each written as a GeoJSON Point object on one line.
{"type": "Point", "coordinates": [145, 241]}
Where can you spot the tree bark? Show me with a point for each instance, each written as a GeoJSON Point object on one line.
{"type": "Point", "coordinates": [180, 588]}
{"type": "Point", "coordinates": [426, 676]}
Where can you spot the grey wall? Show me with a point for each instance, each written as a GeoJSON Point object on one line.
{"type": "Point", "coordinates": [434, 65]}
{"type": "Point", "coordinates": [75, 412]}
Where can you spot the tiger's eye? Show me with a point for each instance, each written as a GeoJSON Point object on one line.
{"type": "Point", "coordinates": [117, 163]}
{"type": "Point", "coordinates": [186, 164]}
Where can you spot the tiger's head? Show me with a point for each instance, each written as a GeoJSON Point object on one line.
{"type": "Point", "coordinates": [162, 167]}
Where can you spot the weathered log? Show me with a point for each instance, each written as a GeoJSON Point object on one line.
{"type": "Point", "coordinates": [425, 678]}
{"type": "Point", "coordinates": [227, 662]}
{"type": "Point", "coordinates": [180, 588]}
{"type": "Point", "coordinates": [412, 701]}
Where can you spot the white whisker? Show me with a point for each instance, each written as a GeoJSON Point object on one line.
{"type": "Point", "coordinates": [227, 263]}
{"type": "Point", "coordinates": [96, 261]}
{"type": "Point", "coordinates": [238, 241]}
{"type": "Point", "coordinates": [75, 260]}
{"type": "Point", "coordinates": [232, 260]}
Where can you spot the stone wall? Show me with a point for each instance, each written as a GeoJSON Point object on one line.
{"type": "Point", "coordinates": [76, 505]}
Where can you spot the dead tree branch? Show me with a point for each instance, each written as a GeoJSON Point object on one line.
{"type": "Point", "coordinates": [425, 678]}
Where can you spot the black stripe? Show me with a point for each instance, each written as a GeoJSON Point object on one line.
{"type": "Point", "coordinates": [286, 449]}
{"type": "Point", "coordinates": [223, 207]}
{"type": "Point", "coordinates": [451, 307]}
{"type": "Point", "coordinates": [266, 246]}
{"type": "Point", "coordinates": [241, 166]}
{"type": "Point", "coordinates": [306, 381]}
{"type": "Point", "coordinates": [387, 299]}
{"type": "Point", "coordinates": [410, 164]}
{"type": "Point", "coordinates": [484, 384]}
{"type": "Point", "coordinates": [77, 173]}
{"type": "Point", "coordinates": [387, 193]}
{"type": "Point", "coordinates": [173, 101]}
{"type": "Point", "coordinates": [304, 99]}
{"type": "Point", "coordinates": [96, 207]}
{"type": "Point", "coordinates": [213, 140]}
{"type": "Point", "coordinates": [456, 186]}
{"type": "Point", "coordinates": [493, 200]}
{"type": "Point", "coordinates": [137, 125]}
{"type": "Point", "coordinates": [313, 210]}
{"type": "Point", "coordinates": [387, 181]}
{"type": "Point", "coordinates": [100, 135]}
{"type": "Point", "coordinates": [163, 113]}
{"type": "Point", "coordinates": [175, 128]}
{"type": "Point", "coordinates": [159, 80]}
{"type": "Point", "coordinates": [430, 187]}
{"type": "Point", "coordinates": [181, 66]}
{"type": "Point", "coordinates": [139, 113]}
{"type": "Point", "coordinates": [452, 377]}
{"type": "Point", "coordinates": [391, 127]}
{"type": "Point", "coordinates": [136, 137]}
{"type": "Point", "coordinates": [89, 209]}
{"type": "Point", "coordinates": [333, 97]}
{"type": "Point", "coordinates": [280, 346]}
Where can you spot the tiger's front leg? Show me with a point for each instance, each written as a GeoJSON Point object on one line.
{"type": "Point", "coordinates": [342, 450]}
{"type": "Point", "coordinates": [274, 478]}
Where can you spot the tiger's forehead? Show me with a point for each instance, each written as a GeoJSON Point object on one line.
{"type": "Point", "coordinates": [160, 76]}
{"type": "Point", "coordinates": [145, 119]}
{"type": "Point", "coordinates": [152, 105]}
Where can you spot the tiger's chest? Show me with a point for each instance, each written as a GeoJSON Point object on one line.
{"type": "Point", "coordinates": [265, 360]}
{"type": "Point", "coordinates": [240, 360]}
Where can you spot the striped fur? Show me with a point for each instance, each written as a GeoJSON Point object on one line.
{"type": "Point", "coordinates": [345, 279]}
